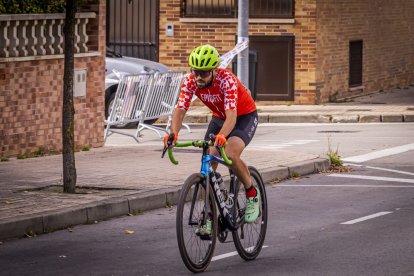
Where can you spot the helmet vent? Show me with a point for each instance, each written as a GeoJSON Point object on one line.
{"type": "Point", "coordinates": [208, 61]}
{"type": "Point", "coordinates": [214, 64]}
{"type": "Point", "coordinates": [202, 63]}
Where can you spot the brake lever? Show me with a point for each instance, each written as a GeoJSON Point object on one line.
{"type": "Point", "coordinates": [164, 151]}
{"type": "Point", "coordinates": [169, 143]}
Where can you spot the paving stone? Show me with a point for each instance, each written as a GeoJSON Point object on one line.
{"type": "Point", "coordinates": [409, 118]}
{"type": "Point", "coordinates": [392, 118]}
{"type": "Point", "coordinates": [370, 118]}
{"type": "Point", "coordinates": [345, 118]}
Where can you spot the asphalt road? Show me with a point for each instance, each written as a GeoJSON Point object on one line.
{"type": "Point", "coordinates": [356, 223]}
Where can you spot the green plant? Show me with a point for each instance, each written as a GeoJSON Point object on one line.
{"type": "Point", "coordinates": [4, 159]}
{"type": "Point", "coordinates": [32, 6]}
{"type": "Point", "coordinates": [136, 212]}
{"type": "Point", "coordinates": [39, 152]}
{"type": "Point", "coordinates": [334, 157]}
{"type": "Point", "coordinates": [295, 175]}
{"type": "Point", "coordinates": [85, 148]}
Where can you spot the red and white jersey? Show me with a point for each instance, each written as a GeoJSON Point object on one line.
{"type": "Point", "coordinates": [226, 92]}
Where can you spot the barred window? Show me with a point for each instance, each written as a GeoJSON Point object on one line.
{"type": "Point", "coordinates": [228, 8]}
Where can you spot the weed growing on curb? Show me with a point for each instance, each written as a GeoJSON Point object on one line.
{"type": "Point", "coordinates": [4, 159]}
{"type": "Point", "coordinates": [335, 159]}
{"type": "Point", "coordinates": [85, 148]}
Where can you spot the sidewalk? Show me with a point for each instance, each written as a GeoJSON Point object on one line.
{"type": "Point", "coordinates": [396, 105]}
{"type": "Point", "coordinates": [116, 181]}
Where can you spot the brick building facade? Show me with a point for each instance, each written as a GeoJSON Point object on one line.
{"type": "Point", "coordinates": [31, 95]}
{"type": "Point", "coordinates": [322, 32]}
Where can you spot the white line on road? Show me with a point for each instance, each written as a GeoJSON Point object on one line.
{"type": "Point", "coordinates": [391, 179]}
{"type": "Point", "coordinates": [379, 154]}
{"type": "Point", "coordinates": [280, 146]}
{"type": "Point", "coordinates": [366, 218]}
{"type": "Point", "coordinates": [342, 185]}
{"type": "Point", "coordinates": [377, 168]}
{"type": "Point", "coordinates": [234, 253]}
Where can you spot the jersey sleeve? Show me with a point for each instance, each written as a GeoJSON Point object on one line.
{"type": "Point", "coordinates": [228, 86]}
{"type": "Point", "coordinates": [186, 94]}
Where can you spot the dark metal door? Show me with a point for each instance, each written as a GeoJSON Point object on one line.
{"type": "Point", "coordinates": [132, 27]}
{"type": "Point", "coordinates": [275, 67]}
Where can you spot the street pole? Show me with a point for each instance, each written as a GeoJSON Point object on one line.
{"type": "Point", "coordinates": [243, 35]}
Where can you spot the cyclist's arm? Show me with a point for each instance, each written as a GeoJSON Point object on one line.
{"type": "Point", "coordinates": [230, 122]}
{"type": "Point", "coordinates": [177, 120]}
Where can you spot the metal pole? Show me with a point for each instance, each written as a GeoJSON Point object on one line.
{"type": "Point", "coordinates": [243, 35]}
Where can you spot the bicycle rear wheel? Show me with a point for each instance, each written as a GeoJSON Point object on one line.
{"type": "Point", "coordinates": [249, 238]}
{"type": "Point", "coordinates": [196, 252]}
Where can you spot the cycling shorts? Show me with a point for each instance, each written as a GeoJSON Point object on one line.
{"type": "Point", "coordinates": [245, 127]}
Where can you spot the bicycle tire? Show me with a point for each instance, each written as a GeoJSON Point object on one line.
{"type": "Point", "coordinates": [249, 237]}
{"type": "Point", "coordinates": [195, 252]}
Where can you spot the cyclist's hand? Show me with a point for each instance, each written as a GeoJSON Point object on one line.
{"type": "Point", "coordinates": [220, 140]}
{"type": "Point", "coordinates": [169, 140]}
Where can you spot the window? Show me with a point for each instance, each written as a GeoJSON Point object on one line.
{"type": "Point", "coordinates": [355, 63]}
{"type": "Point", "coordinates": [228, 8]}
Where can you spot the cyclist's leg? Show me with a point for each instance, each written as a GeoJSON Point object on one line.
{"type": "Point", "coordinates": [234, 149]}
{"type": "Point", "coordinates": [238, 140]}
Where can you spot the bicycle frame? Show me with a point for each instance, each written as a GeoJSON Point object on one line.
{"type": "Point", "coordinates": [206, 169]}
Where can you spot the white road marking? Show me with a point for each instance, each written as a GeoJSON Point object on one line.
{"type": "Point", "coordinates": [377, 168]}
{"type": "Point", "coordinates": [391, 179]}
{"type": "Point", "coordinates": [342, 185]}
{"type": "Point", "coordinates": [379, 154]}
{"type": "Point", "coordinates": [281, 146]}
{"type": "Point", "coordinates": [366, 218]}
{"type": "Point", "coordinates": [234, 253]}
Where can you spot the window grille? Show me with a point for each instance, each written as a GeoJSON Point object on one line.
{"type": "Point", "coordinates": [228, 8]}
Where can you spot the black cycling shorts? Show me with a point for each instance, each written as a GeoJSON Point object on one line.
{"type": "Point", "coordinates": [245, 127]}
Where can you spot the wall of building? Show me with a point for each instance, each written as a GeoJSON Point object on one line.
{"type": "Point", "coordinates": [386, 28]}
{"type": "Point", "coordinates": [31, 96]}
{"type": "Point", "coordinates": [221, 33]}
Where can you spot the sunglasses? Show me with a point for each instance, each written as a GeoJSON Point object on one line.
{"type": "Point", "coordinates": [202, 73]}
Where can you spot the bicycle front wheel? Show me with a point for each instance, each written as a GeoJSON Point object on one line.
{"type": "Point", "coordinates": [196, 251]}
{"type": "Point", "coordinates": [249, 237]}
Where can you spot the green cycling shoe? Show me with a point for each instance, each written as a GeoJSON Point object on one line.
{"type": "Point", "coordinates": [204, 230]}
{"type": "Point", "coordinates": [252, 208]}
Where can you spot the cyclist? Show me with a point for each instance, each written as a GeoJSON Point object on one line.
{"type": "Point", "coordinates": [234, 117]}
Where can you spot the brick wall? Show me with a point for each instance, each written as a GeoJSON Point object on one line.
{"type": "Point", "coordinates": [322, 32]}
{"type": "Point", "coordinates": [386, 28]}
{"type": "Point", "coordinates": [174, 50]}
{"type": "Point", "coordinates": [31, 96]}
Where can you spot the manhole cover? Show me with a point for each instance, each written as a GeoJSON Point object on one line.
{"type": "Point", "coordinates": [337, 131]}
{"type": "Point", "coordinates": [359, 110]}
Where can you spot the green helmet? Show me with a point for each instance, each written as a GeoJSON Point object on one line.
{"type": "Point", "coordinates": [204, 57]}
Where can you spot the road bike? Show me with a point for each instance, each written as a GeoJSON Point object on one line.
{"type": "Point", "coordinates": [201, 196]}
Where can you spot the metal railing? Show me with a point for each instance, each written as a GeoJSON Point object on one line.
{"type": "Point", "coordinates": [27, 35]}
{"type": "Point", "coordinates": [228, 8]}
{"type": "Point", "coordinates": [144, 97]}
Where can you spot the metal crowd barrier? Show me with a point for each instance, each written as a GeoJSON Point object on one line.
{"type": "Point", "coordinates": [144, 97]}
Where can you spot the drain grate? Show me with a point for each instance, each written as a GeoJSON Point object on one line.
{"type": "Point", "coordinates": [359, 110]}
{"type": "Point", "coordinates": [338, 131]}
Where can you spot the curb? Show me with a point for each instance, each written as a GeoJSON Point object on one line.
{"type": "Point", "coordinates": [316, 118]}
{"type": "Point", "coordinates": [129, 205]}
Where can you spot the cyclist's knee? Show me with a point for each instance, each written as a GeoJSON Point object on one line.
{"type": "Point", "coordinates": [213, 151]}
